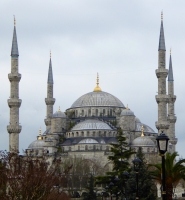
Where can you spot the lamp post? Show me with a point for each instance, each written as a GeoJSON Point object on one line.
{"type": "Point", "coordinates": [111, 184]}
{"type": "Point", "coordinates": [162, 143]}
{"type": "Point", "coordinates": [137, 163]}
{"type": "Point", "coordinates": [126, 177]}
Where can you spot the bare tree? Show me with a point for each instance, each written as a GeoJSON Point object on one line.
{"type": "Point", "coordinates": [25, 178]}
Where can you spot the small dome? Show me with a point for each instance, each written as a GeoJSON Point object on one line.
{"type": "Point", "coordinates": [91, 124]}
{"type": "Point", "coordinates": [88, 141]}
{"type": "Point", "coordinates": [137, 120]}
{"type": "Point", "coordinates": [37, 144]}
{"type": "Point", "coordinates": [59, 114]}
{"type": "Point", "coordinates": [127, 112]}
{"type": "Point", "coordinates": [142, 141]}
{"type": "Point", "coordinates": [112, 140]}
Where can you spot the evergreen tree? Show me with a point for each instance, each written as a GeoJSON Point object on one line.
{"type": "Point", "coordinates": [91, 195]}
{"type": "Point", "coordinates": [121, 153]}
{"type": "Point", "coordinates": [147, 188]}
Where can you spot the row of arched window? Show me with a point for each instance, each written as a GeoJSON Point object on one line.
{"type": "Point", "coordinates": [91, 134]}
{"type": "Point", "coordinates": [95, 148]}
{"type": "Point", "coordinates": [89, 113]}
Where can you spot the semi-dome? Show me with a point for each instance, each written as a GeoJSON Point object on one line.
{"type": "Point", "coordinates": [127, 112]}
{"type": "Point", "coordinates": [37, 144]}
{"type": "Point", "coordinates": [59, 114]}
{"type": "Point", "coordinates": [91, 124]}
{"type": "Point", "coordinates": [142, 141]}
{"type": "Point", "coordinates": [97, 99]}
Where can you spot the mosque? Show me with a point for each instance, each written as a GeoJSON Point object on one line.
{"type": "Point", "coordinates": [89, 126]}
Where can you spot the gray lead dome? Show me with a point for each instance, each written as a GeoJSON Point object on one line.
{"type": "Point", "coordinates": [97, 99]}
{"type": "Point", "coordinates": [91, 124]}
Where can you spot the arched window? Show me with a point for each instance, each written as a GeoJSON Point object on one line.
{"type": "Point", "coordinates": [96, 112]}
{"type": "Point", "coordinates": [103, 112]}
{"type": "Point", "coordinates": [82, 112]}
{"type": "Point", "coordinates": [87, 133]}
{"type": "Point", "coordinates": [82, 134]}
{"type": "Point", "coordinates": [89, 112]}
{"type": "Point", "coordinates": [94, 134]}
{"type": "Point", "coordinates": [110, 112]}
{"type": "Point", "coordinates": [86, 147]}
{"type": "Point", "coordinates": [94, 147]}
{"type": "Point", "coordinates": [107, 148]}
{"type": "Point", "coordinates": [78, 148]}
{"type": "Point", "coordinates": [69, 148]}
{"type": "Point", "coordinates": [76, 113]}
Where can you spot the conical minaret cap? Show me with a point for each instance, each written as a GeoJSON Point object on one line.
{"type": "Point", "coordinates": [170, 73]}
{"type": "Point", "coordinates": [14, 51]}
{"type": "Point", "coordinates": [161, 37]}
{"type": "Point", "coordinates": [50, 72]}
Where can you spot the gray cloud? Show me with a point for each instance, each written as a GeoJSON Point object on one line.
{"type": "Point", "coordinates": [117, 39]}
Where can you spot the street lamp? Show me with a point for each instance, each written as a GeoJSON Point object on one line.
{"type": "Point", "coordinates": [137, 163]}
{"type": "Point", "coordinates": [126, 177]}
{"type": "Point", "coordinates": [162, 143]}
{"type": "Point", "coordinates": [111, 184]}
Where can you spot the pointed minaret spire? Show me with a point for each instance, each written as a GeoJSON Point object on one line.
{"type": "Point", "coordinates": [49, 100]}
{"type": "Point", "coordinates": [170, 72]}
{"type": "Point", "coordinates": [50, 72]}
{"type": "Point", "coordinates": [14, 51]}
{"type": "Point", "coordinates": [161, 37]}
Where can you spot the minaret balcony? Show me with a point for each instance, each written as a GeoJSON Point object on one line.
{"type": "Point", "coordinates": [172, 98]}
{"type": "Point", "coordinates": [50, 101]}
{"type": "Point", "coordinates": [172, 118]}
{"type": "Point", "coordinates": [162, 125]}
{"type": "Point", "coordinates": [14, 128]}
{"type": "Point", "coordinates": [162, 98]}
{"type": "Point", "coordinates": [14, 77]}
{"type": "Point", "coordinates": [173, 141]}
{"type": "Point", "coordinates": [47, 122]}
{"type": "Point", "coordinates": [14, 102]}
{"type": "Point", "coordinates": [161, 73]}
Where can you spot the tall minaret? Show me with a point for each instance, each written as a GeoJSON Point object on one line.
{"type": "Point", "coordinates": [171, 107]}
{"type": "Point", "coordinates": [162, 99]}
{"type": "Point", "coordinates": [14, 102]}
{"type": "Point", "coordinates": [49, 100]}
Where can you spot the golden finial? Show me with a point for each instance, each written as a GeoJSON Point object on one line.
{"type": "Point", "coordinates": [162, 16]}
{"type": "Point", "coordinates": [40, 134]}
{"type": "Point", "coordinates": [50, 53]}
{"type": "Point", "coordinates": [14, 21]}
{"type": "Point", "coordinates": [59, 109]}
{"type": "Point", "coordinates": [142, 131]}
{"type": "Point", "coordinates": [170, 51]}
{"type": "Point", "coordinates": [127, 107]}
{"type": "Point", "coordinates": [97, 88]}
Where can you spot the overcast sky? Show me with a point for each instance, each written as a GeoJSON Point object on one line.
{"type": "Point", "coordinates": [119, 39]}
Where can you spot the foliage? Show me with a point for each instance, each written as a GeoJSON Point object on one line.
{"type": "Point", "coordinates": [174, 171]}
{"type": "Point", "coordinates": [71, 124]}
{"type": "Point", "coordinates": [26, 179]}
{"type": "Point", "coordinates": [78, 172]}
{"type": "Point", "coordinates": [147, 188]}
{"type": "Point", "coordinates": [91, 195]}
{"type": "Point", "coordinates": [121, 153]}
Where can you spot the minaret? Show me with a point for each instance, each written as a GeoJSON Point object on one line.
{"type": "Point", "coordinates": [49, 100]}
{"type": "Point", "coordinates": [14, 102]}
{"type": "Point", "coordinates": [162, 99]}
{"type": "Point", "coordinates": [171, 110]}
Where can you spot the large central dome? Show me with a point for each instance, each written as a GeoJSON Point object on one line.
{"type": "Point", "coordinates": [97, 99]}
